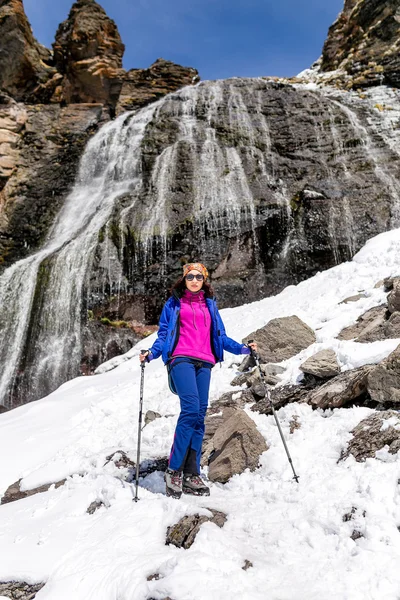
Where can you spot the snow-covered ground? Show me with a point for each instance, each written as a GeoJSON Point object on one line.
{"type": "Point", "coordinates": [294, 535]}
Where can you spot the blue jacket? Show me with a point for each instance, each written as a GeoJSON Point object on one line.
{"type": "Point", "coordinates": [169, 330]}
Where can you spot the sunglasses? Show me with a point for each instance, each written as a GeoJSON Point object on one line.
{"type": "Point", "coordinates": [191, 277]}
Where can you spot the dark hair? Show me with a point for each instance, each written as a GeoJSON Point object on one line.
{"type": "Point", "coordinates": [180, 286]}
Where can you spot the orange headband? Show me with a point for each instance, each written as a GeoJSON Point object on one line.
{"type": "Point", "coordinates": [195, 267]}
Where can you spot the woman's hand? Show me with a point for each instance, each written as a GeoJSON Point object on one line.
{"type": "Point", "coordinates": [253, 346]}
{"type": "Point", "coordinates": [143, 355]}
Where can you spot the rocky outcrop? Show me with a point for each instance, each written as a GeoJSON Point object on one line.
{"type": "Point", "coordinates": [374, 433]}
{"type": "Point", "coordinates": [25, 64]}
{"type": "Point", "coordinates": [282, 338]}
{"type": "Point", "coordinates": [323, 365]}
{"type": "Point", "coordinates": [384, 379]}
{"type": "Point", "coordinates": [342, 390]}
{"type": "Point", "coordinates": [236, 445]}
{"type": "Point", "coordinates": [363, 44]}
{"type": "Point", "coordinates": [183, 534]}
{"type": "Point", "coordinates": [88, 53]}
{"type": "Point", "coordinates": [142, 86]}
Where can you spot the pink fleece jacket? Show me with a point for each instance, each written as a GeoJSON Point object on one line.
{"type": "Point", "coordinates": [195, 328]}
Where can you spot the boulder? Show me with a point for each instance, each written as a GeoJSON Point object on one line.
{"type": "Point", "coordinates": [282, 338]}
{"type": "Point", "coordinates": [217, 413]}
{"type": "Point", "coordinates": [394, 297]}
{"type": "Point", "coordinates": [183, 534]}
{"type": "Point", "coordinates": [369, 327]}
{"type": "Point", "coordinates": [384, 379]}
{"type": "Point", "coordinates": [25, 64]}
{"type": "Point", "coordinates": [14, 491]}
{"type": "Point", "coordinates": [374, 433]}
{"type": "Point", "coordinates": [237, 445]}
{"type": "Point", "coordinates": [323, 364]}
{"type": "Point", "coordinates": [342, 390]}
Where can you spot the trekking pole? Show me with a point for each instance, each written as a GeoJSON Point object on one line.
{"type": "Point", "coordinates": [269, 400]}
{"type": "Point", "coordinates": [142, 366]}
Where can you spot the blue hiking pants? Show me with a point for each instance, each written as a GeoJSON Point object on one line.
{"type": "Point", "coordinates": [192, 383]}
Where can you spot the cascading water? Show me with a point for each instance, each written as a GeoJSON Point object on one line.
{"type": "Point", "coordinates": [267, 183]}
{"type": "Point", "coordinates": [41, 296]}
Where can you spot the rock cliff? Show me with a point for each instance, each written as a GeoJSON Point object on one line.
{"type": "Point", "coordinates": [363, 44]}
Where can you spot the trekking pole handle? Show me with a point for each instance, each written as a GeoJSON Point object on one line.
{"type": "Point", "coordinates": [143, 362]}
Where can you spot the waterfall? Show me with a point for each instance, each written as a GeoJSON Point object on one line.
{"type": "Point", "coordinates": [41, 296]}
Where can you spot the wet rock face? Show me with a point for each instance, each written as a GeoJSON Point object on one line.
{"type": "Point", "coordinates": [25, 64]}
{"type": "Point", "coordinates": [296, 169]}
{"type": "Point", "coordinates": [88, 52]}
{"type": "Point", "coordinates": [364, 42]}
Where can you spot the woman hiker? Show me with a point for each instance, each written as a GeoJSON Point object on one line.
{"type": "Point", "coordinates": [191, 339]}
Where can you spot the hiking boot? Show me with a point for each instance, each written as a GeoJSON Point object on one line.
{"type": "Point", "coordinates": [193, 484]}
{"type": "Point", "coordinates": [173, 483]}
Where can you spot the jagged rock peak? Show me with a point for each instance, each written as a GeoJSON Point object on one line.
{"type": "Point", "coordinates": [87, 33]}
{"type": "Point", "coordinates": [88, 51]}
{"type": "Point", "coordinates": [364, 44]}
{"type": "Point", "coordinates": [24, 62]}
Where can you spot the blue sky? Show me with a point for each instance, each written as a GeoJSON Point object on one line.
{"type": "Point", "coordinates": [220, 38]}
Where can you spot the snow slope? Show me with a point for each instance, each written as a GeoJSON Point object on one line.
{"type": "Point", "coordinates": [294, 535]}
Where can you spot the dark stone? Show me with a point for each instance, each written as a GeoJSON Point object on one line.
{"type": "Point", "coordinates": [369, 327]}
{"type": "Point", "coordinates": [94, 506]}
{"type": "Point", "coordinates": [342, 390]}
{"type": "Point", "coordinates": [384, 379]}
{"type": "Point", "coordinates": [371, 435]}
{"type": "Point", "coordinates": [102, 342]}
{"type": "Point", "coordinates": [14, 492]}
{"type": "Point", "coordinates": [281, 396]}
{"type": "Point", "coordinates": [19, 590]}
{"type": "Point", "coordinates": [183, 534]}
